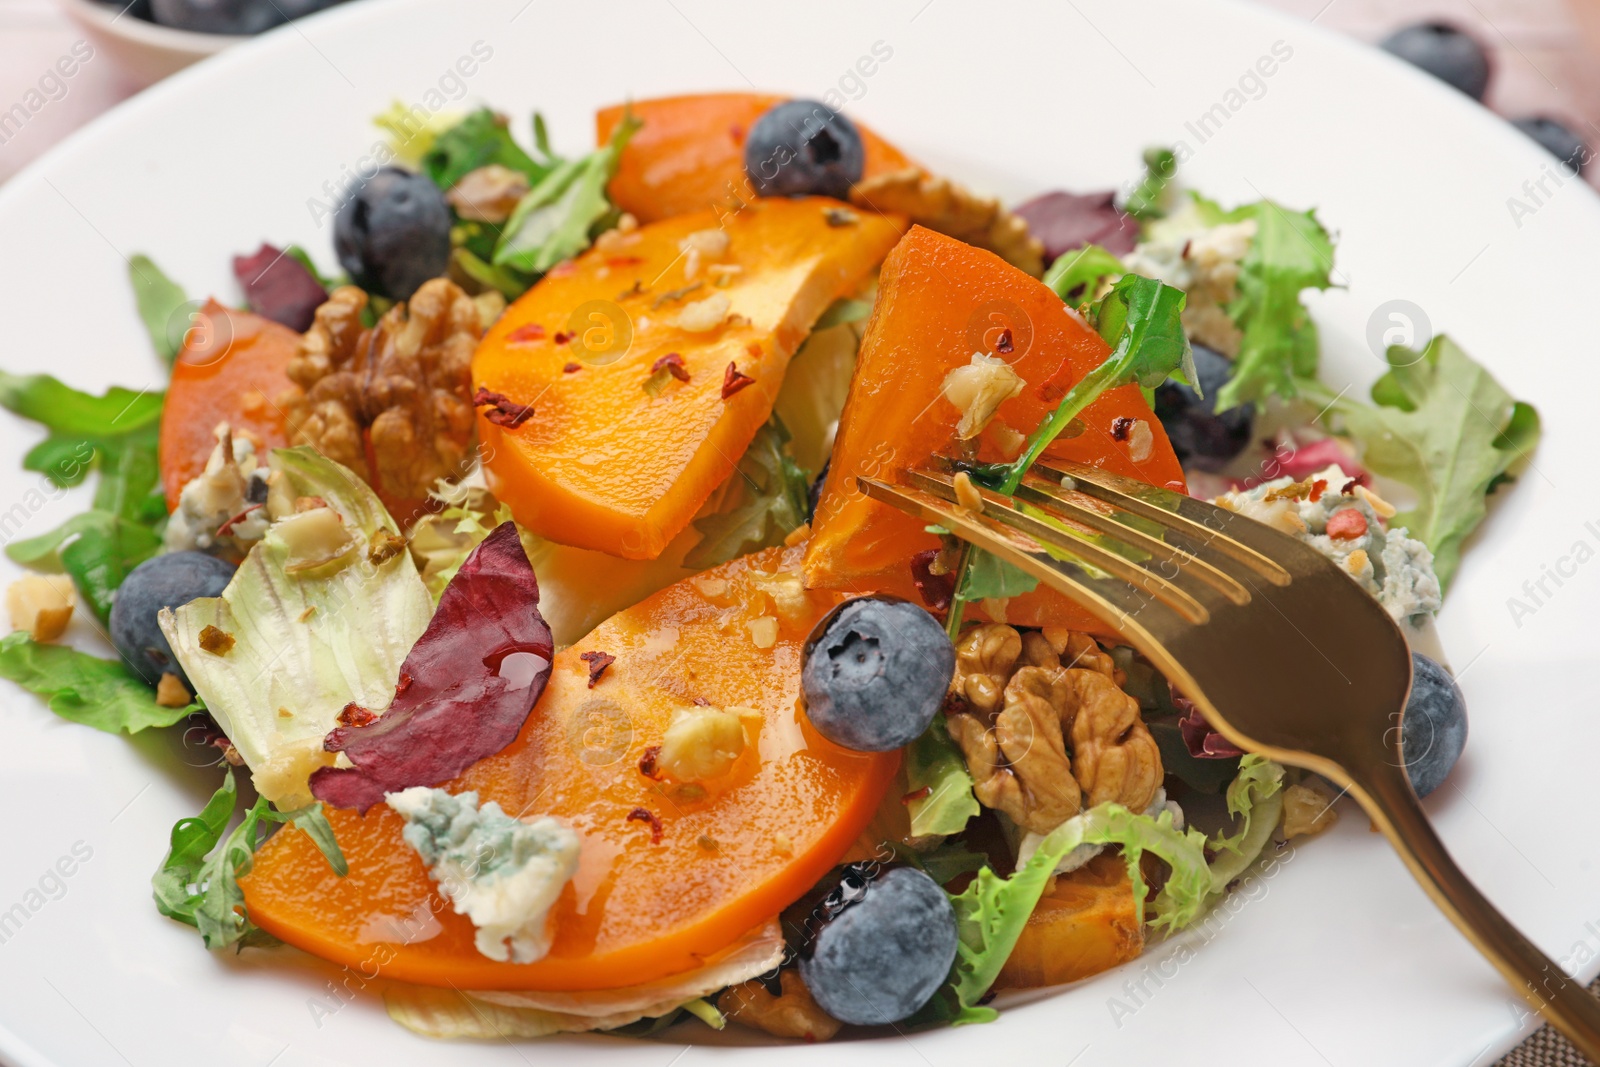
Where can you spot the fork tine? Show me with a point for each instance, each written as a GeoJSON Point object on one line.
{"type": "Point", "coordinates": [1130, 591]}
{"type": "Point", "coordinates": [1201, 523]}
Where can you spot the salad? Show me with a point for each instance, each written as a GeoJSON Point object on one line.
{"type": "Point", "coordinates": [558, 674]}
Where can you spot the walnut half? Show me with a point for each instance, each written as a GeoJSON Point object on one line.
{"type": "Point", "coordinates": [404, 385]}
{"type": "Point", "coordinates": [952, 209]}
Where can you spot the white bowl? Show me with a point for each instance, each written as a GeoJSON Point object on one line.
{"type": "Point", "coordinates": [144, 51]}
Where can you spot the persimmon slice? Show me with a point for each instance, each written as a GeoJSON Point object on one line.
{"type": "Point", "coordinates": [688, 155]}
{"type": "Point", "coordinates": [636, 911]}
{"type": "Point", "coordinates": [939, 302]}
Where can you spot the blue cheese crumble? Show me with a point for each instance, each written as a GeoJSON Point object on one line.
{"type": "Point", "coordinates": [1394, 567]}
{"type": "Point", "coordinates": [502, 873]}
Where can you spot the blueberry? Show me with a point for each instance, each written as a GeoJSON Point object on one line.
{"type": "Point", "coordinates": [1200, 436]}
{"type": "Point", "coordinates": [1556, 139]}
{"type": "Point", "coordinates": [881, 946]}
{"type": "Point", "coordinates": [1450, 55]}
{"type": "Point", "coordinates": [877, 675]}
{"type": "Point", "coordinates": [231, 16]}
{"type": "Point", "coordinates": [803, 148]}
{"type": "Point", "coordinates": [1433, 730]}
{"type": "Point", "coordinates": [393, 233]}
{"type": "Point", "coordinates": [167, 581]}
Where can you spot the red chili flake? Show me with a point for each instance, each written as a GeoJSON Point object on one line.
{"type": "Point", "coordinates": [736, 131]}
{"type": "Point", "coordinates": [1346, 524]}
{"type": "Point", "coordinates": [701, 702]}
{"type": "Point", "coordinates": [647, 763]}
{"type": "Point", "coordinates": [524, 335]}
{"type": "Point", "coordinates": [227, 528]}
{"type": "Point", "coordinates": [562, 269]}
{"type": "Point", "coordinates": [1318, 487]}
{"type": "Point", "coordinates": [572, 368]}
{"type": "Point", "coordinates": [624, 261]}
{"type": "Point", "coordinates": [1121, 427]}
{"type": "Point", "coordinates": [503, 411]}
{"type": "Point", "coordinates": [647, 816]}
{"type": "Point", "coordinates": [1349, 487]}
{"type": "Point", "coordinates": [353, 714]}
{"type": "Point", "coordinates": [1061, 379]}
{"type": "Point", "coordinates": [915, 794]}
{"type": "Point", "coordinates": [733, 381]}
{"type": "Point", "coordinates": [672, 363]}
{"type": "Point", "coordinates": [598, 662]}
{"type": "Point", "coordinates": [936, 589]}
{"type": "Point", "coordinates": [563, 337]}
{"type": "Point", "coordinates": [1002, 344]}
{"type": "Point", "coordinates": [403, 684]}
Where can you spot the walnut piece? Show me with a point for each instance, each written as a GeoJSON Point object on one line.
{"type": "Point", "coordinates": [1117, 759]}
{"type": "Point", "coordinates": [1307, 809]}
{"type": "Point", "coordinates": [405, 383]}
{"type": "Point", "coordinates": [1030, 733]}
{"type": "Point", "coordinates": [488, 194]}
{"type": "Point", "coordinates": [794, 1014]}
{"type": "Point", "coordinates": [951, 209]}
{"type": "Point", "coordinates": [984, 658]}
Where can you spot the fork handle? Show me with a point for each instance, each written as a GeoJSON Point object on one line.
{"type": "Point", "coordinates": [1566, 1004]}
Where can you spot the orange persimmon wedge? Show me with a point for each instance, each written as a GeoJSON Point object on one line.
{"type": "Point", "coordinates": [1087, 924]}
{"type": "Point", "coordinates": [231, 369]}
{"type": "Point", "coordinates": [689, 153]}
{"type": "Point", "coordinates": [939, 302]}
{"type": "Point", "coordinates": [605, 463]}
{"type": "Point", "coordinates": [636, 910]}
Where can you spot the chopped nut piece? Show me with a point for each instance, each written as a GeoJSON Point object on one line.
{"type": "Point", "coordinates": [763, 631]}
{"type": "Point", "coordinates": [488, 194]}
{"type": "Point", "coordinates": [788, 593]}
{"type": "Point", "coordinates": [1384, 509]}
{"type": "Point", "coordinates": [840, 216]}
{"type": "Point", "coordinates": [1357, 562]}
{"type": "Point", "coordinates": [1307, 809]}
{"type": "Point", "coordinates": [41, 604]}
{"type": "Point", "coordinates": [977, 391]}
{"type": "Point", "coordinates": [967, 494]}
{"type": "Point", "coordinates": [984, 658]}
{"type": "Point", "coordinates": [314, 538]}
{"type": "Point", "coordinates": [1141, 441]}
{"type": "Point", "coordinates": [622, 236]}
{"type": "Point", "coordinates": [942, 205]}
{"type": "Point", "coordinates": [702, 244]}
{"type": "Point", "coordinates": [712, 587]}
{"type": "Point", "coordinates": [216, 641]}
{"type": "Point", "coordinates": [384, 547]}
{"type": "Point", "coordinates": [171, 692]}
{"type": "Point", "coordinates": [793, 1014]}
{"type": "Point", "coordinates": [1008, 439]}
{"type": "Point", "coordinates": [405, 385]}
{"type": "Point", "coordinates": [702, 744]}
{"type": "Point", "coordinates": [1074, 649]}
{"type": "Point", "coordinates": [705, 315]}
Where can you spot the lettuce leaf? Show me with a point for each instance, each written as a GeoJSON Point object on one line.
{"type": "Point", "coordinates": [1255, 799]}
{"type": "Point", "coordinates": [86, 689]}
{"type": "Point", "coordinates": [1075, 276]}
{"type": "Point", "coordinates": [1147, 201]}
{"type": "Point", "coordinates": [159, 299]}
{"type": "Point", "coordinates": [1290, 254]}
{"type": "Point", "coordinates": [934, 763]}
{"type": "Point", "coordinates": [305, 644]}
{"type": "Point", "coordinates": [553, 221]}
{"type": "Point", "coordinates": [765, 499]}
{"type": "Point", "coordinates": [477, 141]}
{"type": "Point", "coordinates": [1442, 425]}
{"type": "Point", "coordinates": [198, 884]}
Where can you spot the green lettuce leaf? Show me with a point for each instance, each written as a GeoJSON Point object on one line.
{"type": "Point", "coordinates": [1141, 319]}
{"type": "Point", "coordinates": [305, 644]}
{"type": "Point", "coordinates": [198, 883]}
{"type": "Point", "coordinates": [1076, 276]}
{"type": "Point", "coordinates": [815, 388]}
{"type": "Point", "coordinates": [765, 500]}
{"type": "Point", "coordinates": [1291, 253]}
{"type": "Point", "coordinates": [159, 299]}
{"type": "Point", "coordinates": [478, 140]}
{"type": "Point", "coordinates": [934, 763]}
{"type": "Point", "coordinates": [1148, 197]}
{"type": "Point", "coordinates": [1443, 426]}
{"type": "Point", "coordinates": [1255, 800]}
{"type": "Point", "coordinates": [554, 220]}
{"type": "Point", "coordinates": [86, 689]}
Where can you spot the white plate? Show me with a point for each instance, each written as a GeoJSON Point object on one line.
{"type": "Point", "coordinates": [1338, 958]}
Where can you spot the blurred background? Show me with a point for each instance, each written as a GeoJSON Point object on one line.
{"type": "Point", "coordinates": [1528, 60]}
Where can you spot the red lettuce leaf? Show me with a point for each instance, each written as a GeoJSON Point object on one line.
{"type": "Point", "coordinates": [1066, 221]}
{"type": "Point", "coordinates": [1198, 737]}
{"type": "Point", "coordinates": [279, 287]}
{"type": "Point", "coordinates": [465, 689]}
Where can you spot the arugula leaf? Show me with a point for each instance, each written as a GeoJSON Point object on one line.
{"type": "Point", "coordinates": [552, 222]}
{"type": "Point", "coordinates": [1076, 276]}
{"type": "Point", "coordinates": [510, 283]}
{"type": "Point", "coordinates": [158, 298]}
{"type": "Point", "coordinates": [1291, 252]}
{"type": "Point", "coordinates": [1141, 318]}
{"type": "Point", "coordinates": [766, 499]}
{"type": "Point", "coordinates": [478, 140]}
{"type": "Point", "coordinates": [67, 412]}
{"type": "Point", "coordinates": [198, 883]}
{"type": "Point", "coordinates": [987, 575]}
{"type": "Point", "coordinates": [64, 461]}
{"type": "Point", "coordinates": [82, 688]}
{"type": "Point", "coordinates": [97, 548]}
{"type": "Point", "coordinates": [1443, 426]}
{"type": "Point", "coordinates": [933, 762]}
{"type": "Point", "coordinates": [1146, 200]}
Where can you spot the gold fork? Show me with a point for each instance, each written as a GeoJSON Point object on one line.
{"type": "Point", "coordinates": [1283, 653]}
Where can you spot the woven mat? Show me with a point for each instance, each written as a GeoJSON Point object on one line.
{"type": "Point", "coordinates": [1547, 1048]}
